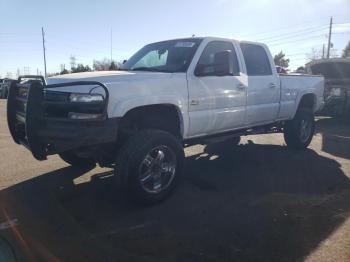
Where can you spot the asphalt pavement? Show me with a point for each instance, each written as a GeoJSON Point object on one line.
{"type": "Point", "coordinates": [258, 201]}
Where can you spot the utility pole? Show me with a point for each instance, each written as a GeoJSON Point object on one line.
{"type": "Point", "coordinates": [43, 35]}
{"type": "Point", "coordinates": [323, 51]}
{"type": "Point", "coordinates": [111, 45]}
{"type": "Point", "coordinates": [329, 37]}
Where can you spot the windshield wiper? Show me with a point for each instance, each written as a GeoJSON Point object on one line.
{"type": "Point", "coordinates": [151, 69]}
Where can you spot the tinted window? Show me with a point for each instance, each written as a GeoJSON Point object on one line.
{"type": "Point", "coordinates": [256, 60]}
{"type": "Point", "coordinates": [206, 62]}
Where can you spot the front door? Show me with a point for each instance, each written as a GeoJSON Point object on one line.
{"type": "Point", "coordinates": [216, 102]}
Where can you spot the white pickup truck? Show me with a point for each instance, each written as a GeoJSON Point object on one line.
{"type": "Point", "coordinates": [168, 95]}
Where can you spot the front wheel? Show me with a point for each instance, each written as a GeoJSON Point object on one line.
{"type": "Point", "coordinates": [299, 131]}
{"type": "Point", "coordinates": [150, 165]}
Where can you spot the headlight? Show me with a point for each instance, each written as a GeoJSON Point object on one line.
{"type": "Point", "coordinates": [85, 98]}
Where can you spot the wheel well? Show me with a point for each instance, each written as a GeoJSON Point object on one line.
{"type": "Point", "coordinates": [307, 101]}
{"type": "Point", "coordinates": [165, 117]}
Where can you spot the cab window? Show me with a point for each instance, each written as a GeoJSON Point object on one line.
{"type": "Point", "coordinates": [206, 64]}
{"type": "Point", "coordinates": [256, 60]}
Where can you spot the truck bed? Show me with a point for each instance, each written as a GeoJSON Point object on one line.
{"type": "Point", "coordinates": [293, 86]}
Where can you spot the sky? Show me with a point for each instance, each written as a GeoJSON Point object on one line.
{"type": "Point", "coordinates": [84, 28]}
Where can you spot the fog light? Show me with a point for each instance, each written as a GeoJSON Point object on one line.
{"type": "Point", "coordinates": [73, 115]}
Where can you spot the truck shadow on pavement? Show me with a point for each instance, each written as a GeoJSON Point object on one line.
{"type": "Point", "coordinates": [236, 203]}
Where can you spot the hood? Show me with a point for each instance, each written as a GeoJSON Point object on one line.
{"type": "Point", "coordinates": [108, 78]}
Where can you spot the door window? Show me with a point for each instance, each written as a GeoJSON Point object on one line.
{"type": "Point", "coordinates": [256, 60]}
{"type": "Point", "coordinates": [206, 64]}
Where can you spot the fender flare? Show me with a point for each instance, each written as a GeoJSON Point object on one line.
{"type": "Point", "coordinates": [299, 98]}
{"type": "Point", "coordinates": [122, 108]}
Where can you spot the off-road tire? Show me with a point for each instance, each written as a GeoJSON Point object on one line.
{"type": "Point", "coordinates": [132, 154]}
{"type": "Point", "coordinates": [292, 133]}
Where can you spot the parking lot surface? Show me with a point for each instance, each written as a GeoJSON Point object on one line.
{"type": "Point", "coordinates": [258, 201]}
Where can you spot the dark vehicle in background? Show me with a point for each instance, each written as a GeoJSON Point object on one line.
{"type": "Point", "coordinates": [336, 72]}
{"type": "Point", "coordinates": [4, 87]}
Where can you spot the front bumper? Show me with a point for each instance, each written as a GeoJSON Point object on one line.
{"type": "Point", "coordinates": [42, 134]}
{"type": "Point", "coordinates": [58, 135]}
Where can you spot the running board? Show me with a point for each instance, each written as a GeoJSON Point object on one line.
{"type": "Point", "coordinates": [216, 138]}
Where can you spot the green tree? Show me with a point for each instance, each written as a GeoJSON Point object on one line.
{"type": "Point", "coordinates": [101, 65]}
{"type": "Point", "coordinates": [280, 60]}
{"type": "Point", "coordinates": [113, 66]}
{"type": "Point", "coordinates": [346, 51]}
{"type": "Point", "coordinates": [81, 68]}
{"type": "Point", "coordinates": [64, 71]}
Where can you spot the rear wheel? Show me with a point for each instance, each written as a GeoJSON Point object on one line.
{"type": "Point", "coordinates": [74, 160]}
{"type": "Point", "coordinates": [150, 165]}
{"type": "Point", "coordinates": [299, 131]}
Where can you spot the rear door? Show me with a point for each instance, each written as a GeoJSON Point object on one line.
{"type": "Point", "coordinates": [263, 92]}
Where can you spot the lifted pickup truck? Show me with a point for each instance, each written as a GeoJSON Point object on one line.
{"type": "Point", "coordinates": [168, 95]}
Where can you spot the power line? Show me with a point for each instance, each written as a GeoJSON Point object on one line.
{"type": "Point", "coordinates": [284, 27]}
{"type": "Point", "coordinates": [17, 33]}
{"type": "Point", "coordinates": [295, 41]}
{"type": "Point", "coordinates": [297, 32]}
{"type": "Point", "coordinates": [341, 33]}
{"type": "Point", "coordinates": [292, 26]}
{"type": "Point", "coordinates": [342, 24]}
{"type": "Point", "coordinates": [294, 36]}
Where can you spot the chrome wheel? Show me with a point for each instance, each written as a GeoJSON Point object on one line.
{"type": "Point", "coordinates": [305, 130]}
{"type": "Point", "coordinates": [157, 170]}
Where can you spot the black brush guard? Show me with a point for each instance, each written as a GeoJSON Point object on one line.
{"type": "Point", "coordinates": [25, 111]}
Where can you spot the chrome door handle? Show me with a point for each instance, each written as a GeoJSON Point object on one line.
{"type": "Point", "coordinates": [194, 102]}
{"type": "Point", "coordinates": [272, 85]}
{"type": "Point", "coordinates": [240, 86]}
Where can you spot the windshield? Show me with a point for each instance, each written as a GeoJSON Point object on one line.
{"type": "Point", "coordinates": [168, 56]}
